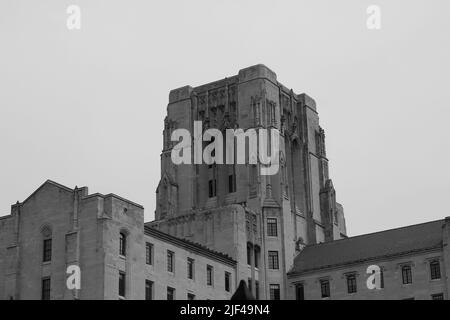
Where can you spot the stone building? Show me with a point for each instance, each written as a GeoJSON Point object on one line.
{"type": "Point", "coordinates": [258, 220]}
{"type": "Point", "coordinates": [413, 261]}
{"type": "Point", "coordinates": [104, 235]}
{"type": "Point", "coordinates": [214, 224]}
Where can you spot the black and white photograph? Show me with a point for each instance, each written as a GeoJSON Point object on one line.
{"type": "Point", "coordinates": [230, 152]}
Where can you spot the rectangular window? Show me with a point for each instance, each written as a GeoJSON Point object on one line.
{"type": "Point", "coordinates": [148, 290]}
{"type": "Point", "coordinates": [190, 268]}
{"type": "Point", "coordinates": [257, 257]}
{"type": "Point", "coordinates": [170, 293]}
{"type": "Point", "coordinates": [299, 291]}
{"type": "Point", "coordinates": [435, 270]}
{"type": "Point", "coordinates": [209, 275]}
{"type": "Point", "coordinates": [351, 283]}
{"type": "Point", "coordinates": [190, 296]}
{"type": "Point", "coordinates": [325, 288]}
{"type": "Point", "coordinates": [122, 244]}
{"type": "Point", "coordinates": [231, 183]}
{"type": "Point", "coordinates": [438, 296]}
{"type": "Point", "coordinates": [47, 250]}
{"type": "Point", "coordinates": [274, 292]}
{"type": "Point", "coordinates": [148, 253]}
{"type": "Point", "coordinates": [227, 281]}
{"type": "Point", "coordinates": [170, 260]}
{"type": "Point", "coordinates": [212, 182]}
{"type": "Point", "coordinates": [122, 284]}
{"type": "Point", "coordinates": [249, 285]}
{"type": "Point", "coordinates": [406, 274]}
{"type": "Point", "coordinates": [273, 260]}
{"type": "Point", "coordinates": [272, 229]}
{"type": "Point", "coordinates": [249, 255]}
{"type": "Point", "coordinates": [46, 289]}
{"type": "Point", "coordinates": [256, 289]}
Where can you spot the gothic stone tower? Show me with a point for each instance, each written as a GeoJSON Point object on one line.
{"type": "Point", "coordinates": [259, 220]}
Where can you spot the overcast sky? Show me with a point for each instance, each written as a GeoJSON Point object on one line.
{"type": "Point", "coordinates": [86, 107]}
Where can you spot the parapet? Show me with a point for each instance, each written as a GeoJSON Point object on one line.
{"type": "Point", "coordinates": [256, 72]}
{"type": "Point", "coordinates": [180, 94]}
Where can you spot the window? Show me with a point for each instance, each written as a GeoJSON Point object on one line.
{"type": "Point", "coordinates": [148, 290]}
{"type": "Point", "coordinates": [231, 183]}
{"type": "Point", "coordinates": [123, 244]}
{"type": "Point", "coordinates": [212, 182]}
{"type": "Point", "coordinates": [299, 291]}
{"type": "Point", "coordinates": [274, 291]}
{"type": "Point", "coordinates": [249, 254]}
{"type": "Point", "coordinates": [406, 274]}
{"type": "Point", "coordinates": [190, 296]}
{"type": "Point", "coordinates": [351, 283]}
{"type": "Point", "coordinates": [325, 288]}
{"type": "Point", "coordinates": [435, 270]}
{"type": "Point", "coordinates": [227, 281]}
{"type": "Point", "coordinates": [122, 284]}
{"type": "Point", "coordinates": [273, 260]}
{"type": "Point", "coordinates": [190, 268]}
{"type": "Point", "coordinates": [249, 285]}
{"type": "Point", "coordinates": [170, 293]}
{"type": "Point", "coordinates": [149, 253]}
{"type": "Point", "coordinates": [257, 251]}
{"type": "Point", "coordinates": [209, 275]}
{"type": "Point", "coordinates": [46, 288]}
{"type": "Point", "coordinates": [170, 266]}
{"type": "Point", "coordinates": [438, 296]}
{"type": "Point", "coordinates": [272, 229]}
{"type": "Point", "coordinates": [47, 250]}
{"type": "Point", "coordinates": [256, 289]}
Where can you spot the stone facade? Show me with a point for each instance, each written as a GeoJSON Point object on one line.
{"type": "Point", "coordinates": [414, 263]}
{"type": "Point", "coordinates": [85, 231]}
{"type": "Point", "coordinates": [227, 206]}
{"type": "Point", "coordinates": [259, 222]}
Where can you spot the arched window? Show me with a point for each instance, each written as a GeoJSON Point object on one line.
{"type": "Point", "coordinates": [123, 244]}
{"type": "Point", "coordinates": [46, 244]}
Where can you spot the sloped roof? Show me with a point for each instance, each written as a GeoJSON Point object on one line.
{"type": "Point", "coordinates": [189, 245]}
{"type": "Point", "coordinates": [366, 247]}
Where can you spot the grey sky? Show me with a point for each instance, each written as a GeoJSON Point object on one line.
{"type": "Point", "coordinates": [87, 107]}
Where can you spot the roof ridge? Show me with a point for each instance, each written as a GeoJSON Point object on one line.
{"type": "Point", "coordinates": [223, 255]}
{"type": "Point", "coordinates": [372, 233]}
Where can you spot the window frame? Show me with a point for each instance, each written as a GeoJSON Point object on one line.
{"type": "Point", "coordinates": [122, 244]}
{"type": "Point", "coordinates": [122, 285]}
{"type": "Point", "coordinates": [46, 290]}
{"type": "Point", "coordinates": [209, 275]}
{"type": "Point", "coordinates": [149, 253]}
{"type": "Point", "coordinates": [172, 292]}
{"type": "Point", "coordinates": [352, 284]}
{"type": "Point", "coordinates": [273, 260]}
{"type": "Point", "coordinates": [407, 277]}
{"type": "Point", "coordinates": [170, 261]}
{"type": "Point", "coordinates": [227, 280]}
{"type": "Point", "coordinates": [435, 270]}
{"type": "Point", "coordinates": [297, 295]}
{"type": "Point", "coordinates": [272, 227]}
{"type": "Point", "coordinates": [325, 291]}
{"type": "Point", "coordinates": [274, 291]}
{"type": "Point", "coordinates": [190, 264]}
{"type": "Point", "coordinates": [149, 289]}
{"type": "Point", "coordinates": [437, 296]}
{"type": "Point", "coordinates": [47, 244]}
